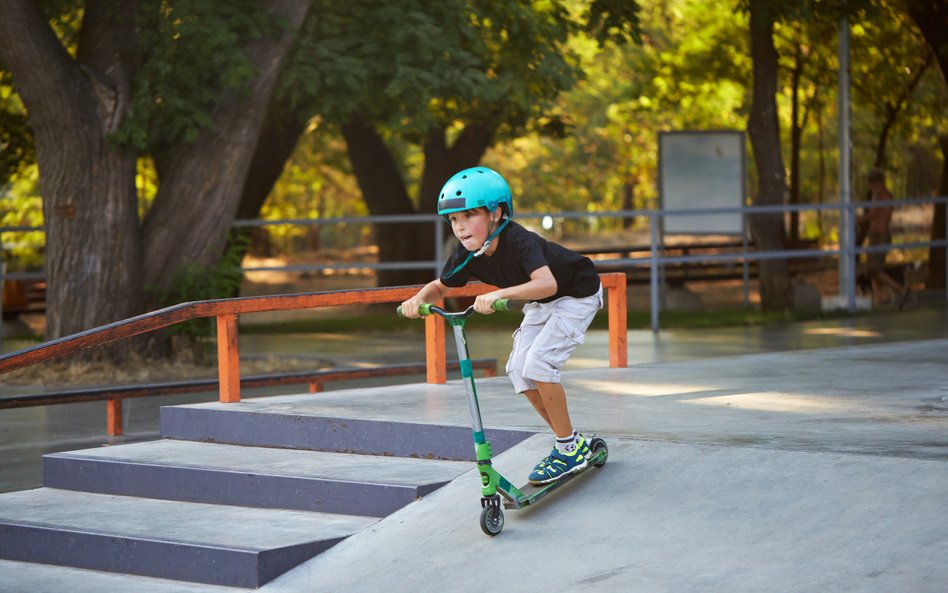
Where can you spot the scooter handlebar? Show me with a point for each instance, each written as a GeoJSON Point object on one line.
{"type": "Point", "coordinates": [425, 309]}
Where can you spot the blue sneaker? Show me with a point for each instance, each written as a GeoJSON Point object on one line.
{"type": "Point", "coordinates": [558, 465]}
{"type": "Point", "coordinates": [581, 445]}
{"type": "Point", "coordinates": [544, 462]}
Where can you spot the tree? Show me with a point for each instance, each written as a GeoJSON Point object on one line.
{"type": "Point", "coordinates": [450, 78]}
{"type": "Point", "coordinates": [931, 17]}
{"type": "Point", "coordinates": [767, 229]}
{"type": "Point", "coordinates": [91, 114]}
{"type": "Point", "coordinates": [88, 183]}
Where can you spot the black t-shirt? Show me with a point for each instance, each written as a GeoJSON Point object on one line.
{"type": "Point", "coordinates": [520, 253]}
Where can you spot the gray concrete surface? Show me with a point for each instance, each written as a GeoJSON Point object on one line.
{"type": "Point", "coordinates": [819, 470]}
{"type": "Point", "coordinates": [27, 433]}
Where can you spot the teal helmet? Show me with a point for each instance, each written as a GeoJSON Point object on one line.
{"type": "Point", "coordinates": [472, 188]}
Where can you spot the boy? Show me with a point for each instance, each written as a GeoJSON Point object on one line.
{"type": "Point", "coordinates": [562, 288]}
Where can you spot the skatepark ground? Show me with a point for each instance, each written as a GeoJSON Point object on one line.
{"type": "Point", "coordinates": [811, 457]}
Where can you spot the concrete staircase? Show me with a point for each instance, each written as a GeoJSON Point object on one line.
{"type": "Point", "coordinates": [232, 495]}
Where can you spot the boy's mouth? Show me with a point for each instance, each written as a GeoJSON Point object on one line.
{"type": "Point", "coordinates": [465, 237]}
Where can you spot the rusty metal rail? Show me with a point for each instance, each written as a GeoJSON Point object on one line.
{"type": "Point", "coordinates": [115, 395]}
{"type": "Point", "coordinates": [227, 311]}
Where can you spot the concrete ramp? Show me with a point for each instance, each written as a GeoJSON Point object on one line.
{"type": "Point", "coordinates": [801, 472]}
{"type": "Point", "coordinates": [667, 517]}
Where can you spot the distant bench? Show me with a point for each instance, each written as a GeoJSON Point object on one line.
{"type": "Point", "coordinates": [115, 395]}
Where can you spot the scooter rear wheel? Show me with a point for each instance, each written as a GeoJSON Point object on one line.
{"type": "Point", "coordinates": [597, 445]}
{"type": "Point", "coordinates": [492, 520]}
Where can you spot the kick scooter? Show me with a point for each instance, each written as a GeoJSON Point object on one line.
{"type": "Point", "coordinates": [494, 484]}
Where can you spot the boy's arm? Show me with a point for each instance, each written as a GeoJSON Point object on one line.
{"type": "Point", "coordinates": [542, 284]}
{"type": "Point", "coordinates": [430, 293]}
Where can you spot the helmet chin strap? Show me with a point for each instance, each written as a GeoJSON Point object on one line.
{"type": "Point", "coordinates": [491, 237]}
{"type": "Point", "coordinates": [483, 249]}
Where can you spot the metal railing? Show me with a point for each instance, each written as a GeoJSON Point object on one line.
{"type": "Point", "coordinates": [848, 252]}
{"type": "Point", "coordinates": [227, 311]}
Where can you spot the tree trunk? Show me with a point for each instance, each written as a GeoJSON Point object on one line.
{"type": "Point", "coordinates": [202, 184]}
{"type": "Point", "coordinates": [383, 189]}
{"type": "Point", "coordinates": [90, 211]}
{"type": "Point", "coordinates": [931, 17]}
{"type": "Point", "coordinates": [767, 229]}
{"type": "Point", "coordinates": [796, 134]}
{"type": "Point", "coordinates": [892, 111]}
{"type": "Point", "coordinates": [936, 255]}
{"type": "Point", "coordinates": [281, 132]}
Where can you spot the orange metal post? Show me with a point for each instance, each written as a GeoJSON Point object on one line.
{"type": "Point", "coordinates": [434, 348]}
{"type": "Point", "coordinates": [228, 358]}
{"type": "Point", "coordinates": [315, 386]}
{"type": "Point", "coordinates": [618, 324]}
{"type": "Point", "coordinates": [114, 416]}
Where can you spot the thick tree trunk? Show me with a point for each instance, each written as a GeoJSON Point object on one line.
{"type": "Point", "coordinates": [931, 17]}
{"type": "Point", "coordinates": [384, 192]}
{"type": "Point", "coordinates": [89, 202]}
{"type": "Point", "coordinates": [201, 186]}
{"type": "Point", "coordinates": [767, 229]}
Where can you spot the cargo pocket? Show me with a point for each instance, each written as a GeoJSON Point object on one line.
{"type": "Point", "coordinates": [560, 340]}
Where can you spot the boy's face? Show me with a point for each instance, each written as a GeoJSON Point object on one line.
{"type": "Point", "coordinates": [472, 227]}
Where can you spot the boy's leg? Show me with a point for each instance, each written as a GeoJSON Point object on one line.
{"type": "Point", "coordinates": [536, 400]}
{"type": "Point", "coordinates": [553, 398]}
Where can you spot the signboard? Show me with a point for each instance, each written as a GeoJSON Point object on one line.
{"type": "Point", "coordinates": [701, 170]}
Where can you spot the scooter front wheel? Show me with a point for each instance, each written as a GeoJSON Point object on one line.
{"type": "Point", "coordinates": [492, 520]}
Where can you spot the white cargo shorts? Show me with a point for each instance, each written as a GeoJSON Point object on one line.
{"type": "Point", "coordinates": [547, 336]}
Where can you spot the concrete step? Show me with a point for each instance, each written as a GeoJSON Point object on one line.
{"type": "Point", "coordinates": [213, 544]}
{"type": "Point", "coordinates": [273, 422]}
{"type": "Point", "coordinates": [353, 484]}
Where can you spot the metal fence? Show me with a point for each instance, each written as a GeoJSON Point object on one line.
{"type": "Point", "coordinates": [846, 251]}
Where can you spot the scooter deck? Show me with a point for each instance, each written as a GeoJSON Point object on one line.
{"type": "Point", "coordinates": [533, 493]}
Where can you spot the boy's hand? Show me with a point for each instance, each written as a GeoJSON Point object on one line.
{"type": "Point", "coordinates": [483, 303]}
{"type": "Point", "coordinates": [410, 308]}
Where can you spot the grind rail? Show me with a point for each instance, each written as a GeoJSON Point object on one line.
{"type": "Point", "coordinates": [227, 311]}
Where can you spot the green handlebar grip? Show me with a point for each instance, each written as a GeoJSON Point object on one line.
{"type": "Point", "coordinates": [501, 305]}
{"type": "Point", "coordinates": [424, 310]}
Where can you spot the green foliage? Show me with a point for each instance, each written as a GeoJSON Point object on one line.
{"type": "Point", "coordinates": [22, 206]}
{"type": "Point", "coordinates": [193, 56]}
{"type": "Point", "coordinates": [317, 182]}
{"type": "Point", "coordinates": [689, 72]}
{"type": "Point", "coordinates": [412, 64]}
{"type": "Point", "coordinates": [196, 282]}
{"type": "Point", "coordinates": [16, 136]}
